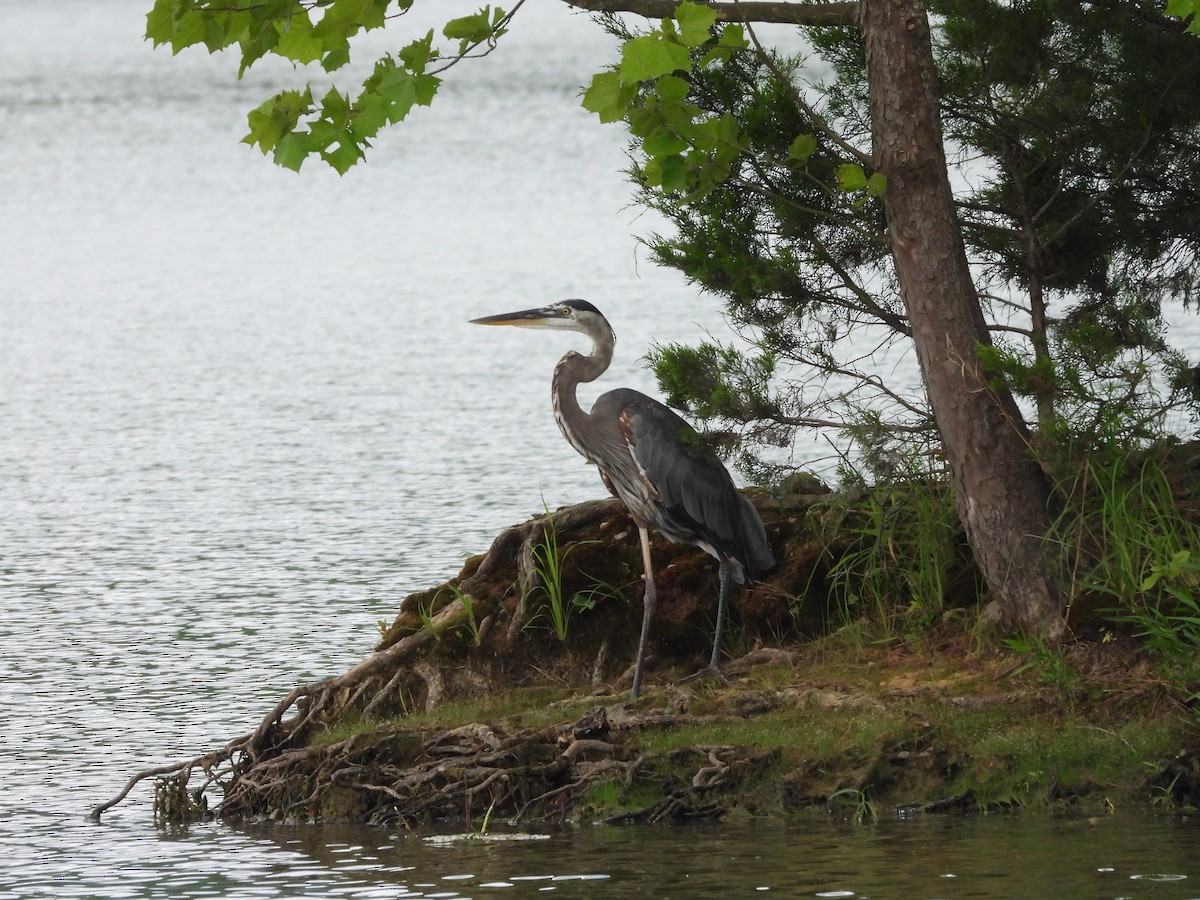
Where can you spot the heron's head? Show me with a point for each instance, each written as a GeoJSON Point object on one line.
{"type": "Point", "coordinates": [568, 315]}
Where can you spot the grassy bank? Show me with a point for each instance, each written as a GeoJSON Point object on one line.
{"type": "Point", "coordinates": [864, 678]}
{"type": "Point", "coordinates": [831, 729]}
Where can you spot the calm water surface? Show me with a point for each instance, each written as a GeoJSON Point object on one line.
{"type": "Point", "coordinates": [242, 415]}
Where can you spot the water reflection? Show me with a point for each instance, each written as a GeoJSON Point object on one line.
{"type": "Point", "coordinates": [983, 857]}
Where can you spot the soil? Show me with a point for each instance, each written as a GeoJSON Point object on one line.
{"type": "Point", "coordinates": [475, 709]}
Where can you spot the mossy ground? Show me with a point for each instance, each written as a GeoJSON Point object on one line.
{"type": "Point", "coordinates": [483, 702]}
{"type": "Point", "coordinates": [830, 727]}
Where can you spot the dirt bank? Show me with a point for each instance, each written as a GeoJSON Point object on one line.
{"type": "Point", "coordinates": [502, 694]}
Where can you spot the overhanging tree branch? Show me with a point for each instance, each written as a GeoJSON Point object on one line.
{"type": "Point", "coordinates": [769, 11]}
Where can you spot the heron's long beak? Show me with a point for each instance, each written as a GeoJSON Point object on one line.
{"type": "Point", "coordinates": [526, 318]}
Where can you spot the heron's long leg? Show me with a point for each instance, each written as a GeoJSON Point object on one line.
{"type": "Point", "coordinates": [647, 609]}
{"type": "Point", "coordinates": [726, 577]}
{"type": "Point", "coordinates": [713, 669]}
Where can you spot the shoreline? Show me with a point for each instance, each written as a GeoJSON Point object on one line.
{"type": "Point", "coordinates": [482, 703]}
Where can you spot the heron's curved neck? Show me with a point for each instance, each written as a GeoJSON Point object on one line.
{"type": "Point", "coordinates": [573, 369]}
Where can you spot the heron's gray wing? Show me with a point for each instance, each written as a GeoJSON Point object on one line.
{"type": "Point", "coordinates": [696, 499]}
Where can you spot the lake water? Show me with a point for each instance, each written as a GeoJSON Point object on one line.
{"type": "Point", "coordinates": [242, 415]}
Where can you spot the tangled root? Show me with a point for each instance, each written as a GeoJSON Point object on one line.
{"type": "Point", "coordinates": [375, 685]}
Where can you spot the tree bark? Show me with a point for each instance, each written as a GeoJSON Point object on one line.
{"type": "Point", "coordinates": [1002, 494]}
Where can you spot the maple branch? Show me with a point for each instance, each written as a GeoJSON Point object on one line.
{"type": "Point", "coordinates": [774, 11]}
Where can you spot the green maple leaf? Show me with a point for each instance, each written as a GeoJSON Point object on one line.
{"type": "Point", "coordinates": [802, 148]}
{"type": "Point", "coordinates": [607, 97]}
{"type": "Point", "coordinates": [694, 23]}
{"type": "Point", "coordinates": [651, 56]}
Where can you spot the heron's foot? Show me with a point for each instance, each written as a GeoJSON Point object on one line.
{"type": "Point", "coordinates": [710, 671]}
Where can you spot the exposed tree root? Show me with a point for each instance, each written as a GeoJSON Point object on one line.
{"type": "Point", "coordinates": [375, 685]}
{"type": "Point", "coordinates": [347, 748]}
{"type": "Point", "coordinates": [476, 771]}
{"type": "Point", "coordinates": [465, 638]}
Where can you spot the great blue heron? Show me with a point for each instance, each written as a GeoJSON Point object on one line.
{"type": "Point", "coordinates": [653, 462]}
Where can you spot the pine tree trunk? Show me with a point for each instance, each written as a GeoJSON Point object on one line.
{"type": "Point", "coordinates": [1002, 493]}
